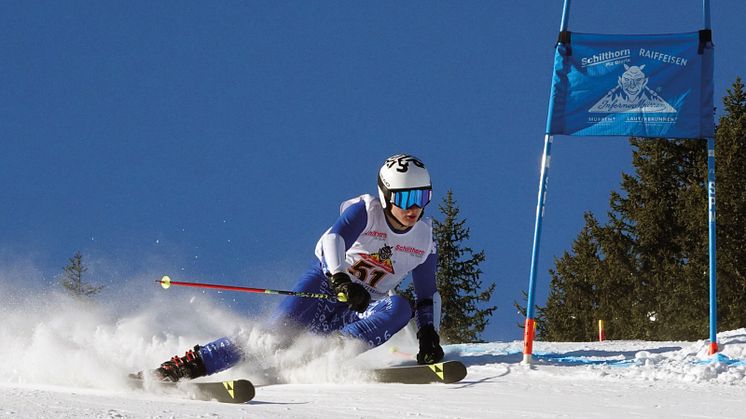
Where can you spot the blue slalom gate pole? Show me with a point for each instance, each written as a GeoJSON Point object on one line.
{"type": "Point", "coordinates": [713, 242]}
{"type": "Point", "coordinates": [530, 325]}
{"type": "Point", "coordinates": [712, 217]}
{"type": "Point", "coordinates": [565, 15]}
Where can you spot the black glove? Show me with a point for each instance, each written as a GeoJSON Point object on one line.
{"type": "Point", "coordinates": [356, 295]}
{"type": "Point", "coordinates": [430, 350]}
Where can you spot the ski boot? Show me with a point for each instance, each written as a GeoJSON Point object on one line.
{"type": "Point", "coordinates": [203, 360]}
{"type": "Point", "coordinates": [188, 367]}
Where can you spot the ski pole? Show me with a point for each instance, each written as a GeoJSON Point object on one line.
{"type": "Point", "coordinates": [166, 282]}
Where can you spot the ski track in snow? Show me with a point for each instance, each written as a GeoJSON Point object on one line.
{"type": "Point", "coordinates": [61, 360]}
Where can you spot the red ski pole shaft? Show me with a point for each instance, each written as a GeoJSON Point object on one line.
{"type": "Point", "coordinates": [167, 282]}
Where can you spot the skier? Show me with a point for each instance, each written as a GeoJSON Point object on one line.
{"type": "Point", "coordinates": [368, 251]}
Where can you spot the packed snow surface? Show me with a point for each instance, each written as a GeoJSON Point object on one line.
{"type": "Point", "coordinates": [64, 359]}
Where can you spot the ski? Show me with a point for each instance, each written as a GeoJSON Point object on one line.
{"type": "Point", "coordinates": [232, 391]}
{"type": "Point", "coordinates": [444, 372]}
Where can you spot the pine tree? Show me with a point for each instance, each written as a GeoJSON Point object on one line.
{"type": "Point", "coordinates": [618, 303]}
{"type": "Point", "coordinates": [72, 278]}
{"type": "Point", "coordinates": [667, 204]}
{"type": "Point", "coordinates": [573, 298]}
{"type": "Point", "coordinates": [458, 278]}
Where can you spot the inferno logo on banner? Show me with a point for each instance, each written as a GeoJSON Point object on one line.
{"type": "Point", "coordinates": [632, 94]}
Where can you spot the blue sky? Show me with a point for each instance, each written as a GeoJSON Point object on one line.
{"type": "Point", "coordinates": [214, 141]}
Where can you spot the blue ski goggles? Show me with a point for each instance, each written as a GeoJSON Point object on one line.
{"type": "Point", "coordinates": [408, 198]}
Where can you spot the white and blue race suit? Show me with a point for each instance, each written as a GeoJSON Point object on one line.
{"type": "Point", "coordinates": [364, 244]}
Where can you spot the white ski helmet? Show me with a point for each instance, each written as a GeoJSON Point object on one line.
{"type": "Point", "coordinates": [404, 181]}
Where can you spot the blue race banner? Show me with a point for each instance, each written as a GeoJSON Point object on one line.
{"type": "Point", "coordinates": [633, 85]}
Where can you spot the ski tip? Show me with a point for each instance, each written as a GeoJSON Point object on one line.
{"type": "Point", "coordinates": [232, 391]}
{"type": "Point", "coordinates": [165, 282]}
{"type": "Point", "coordinates": [238, 391]}
{"type": "Point", "coordinates": [449, 371]}
{"type": "Point", "coordinates": [444, 372]}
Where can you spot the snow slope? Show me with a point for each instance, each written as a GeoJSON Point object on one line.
{"type": "Point", "coordinates": [65, 360]}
